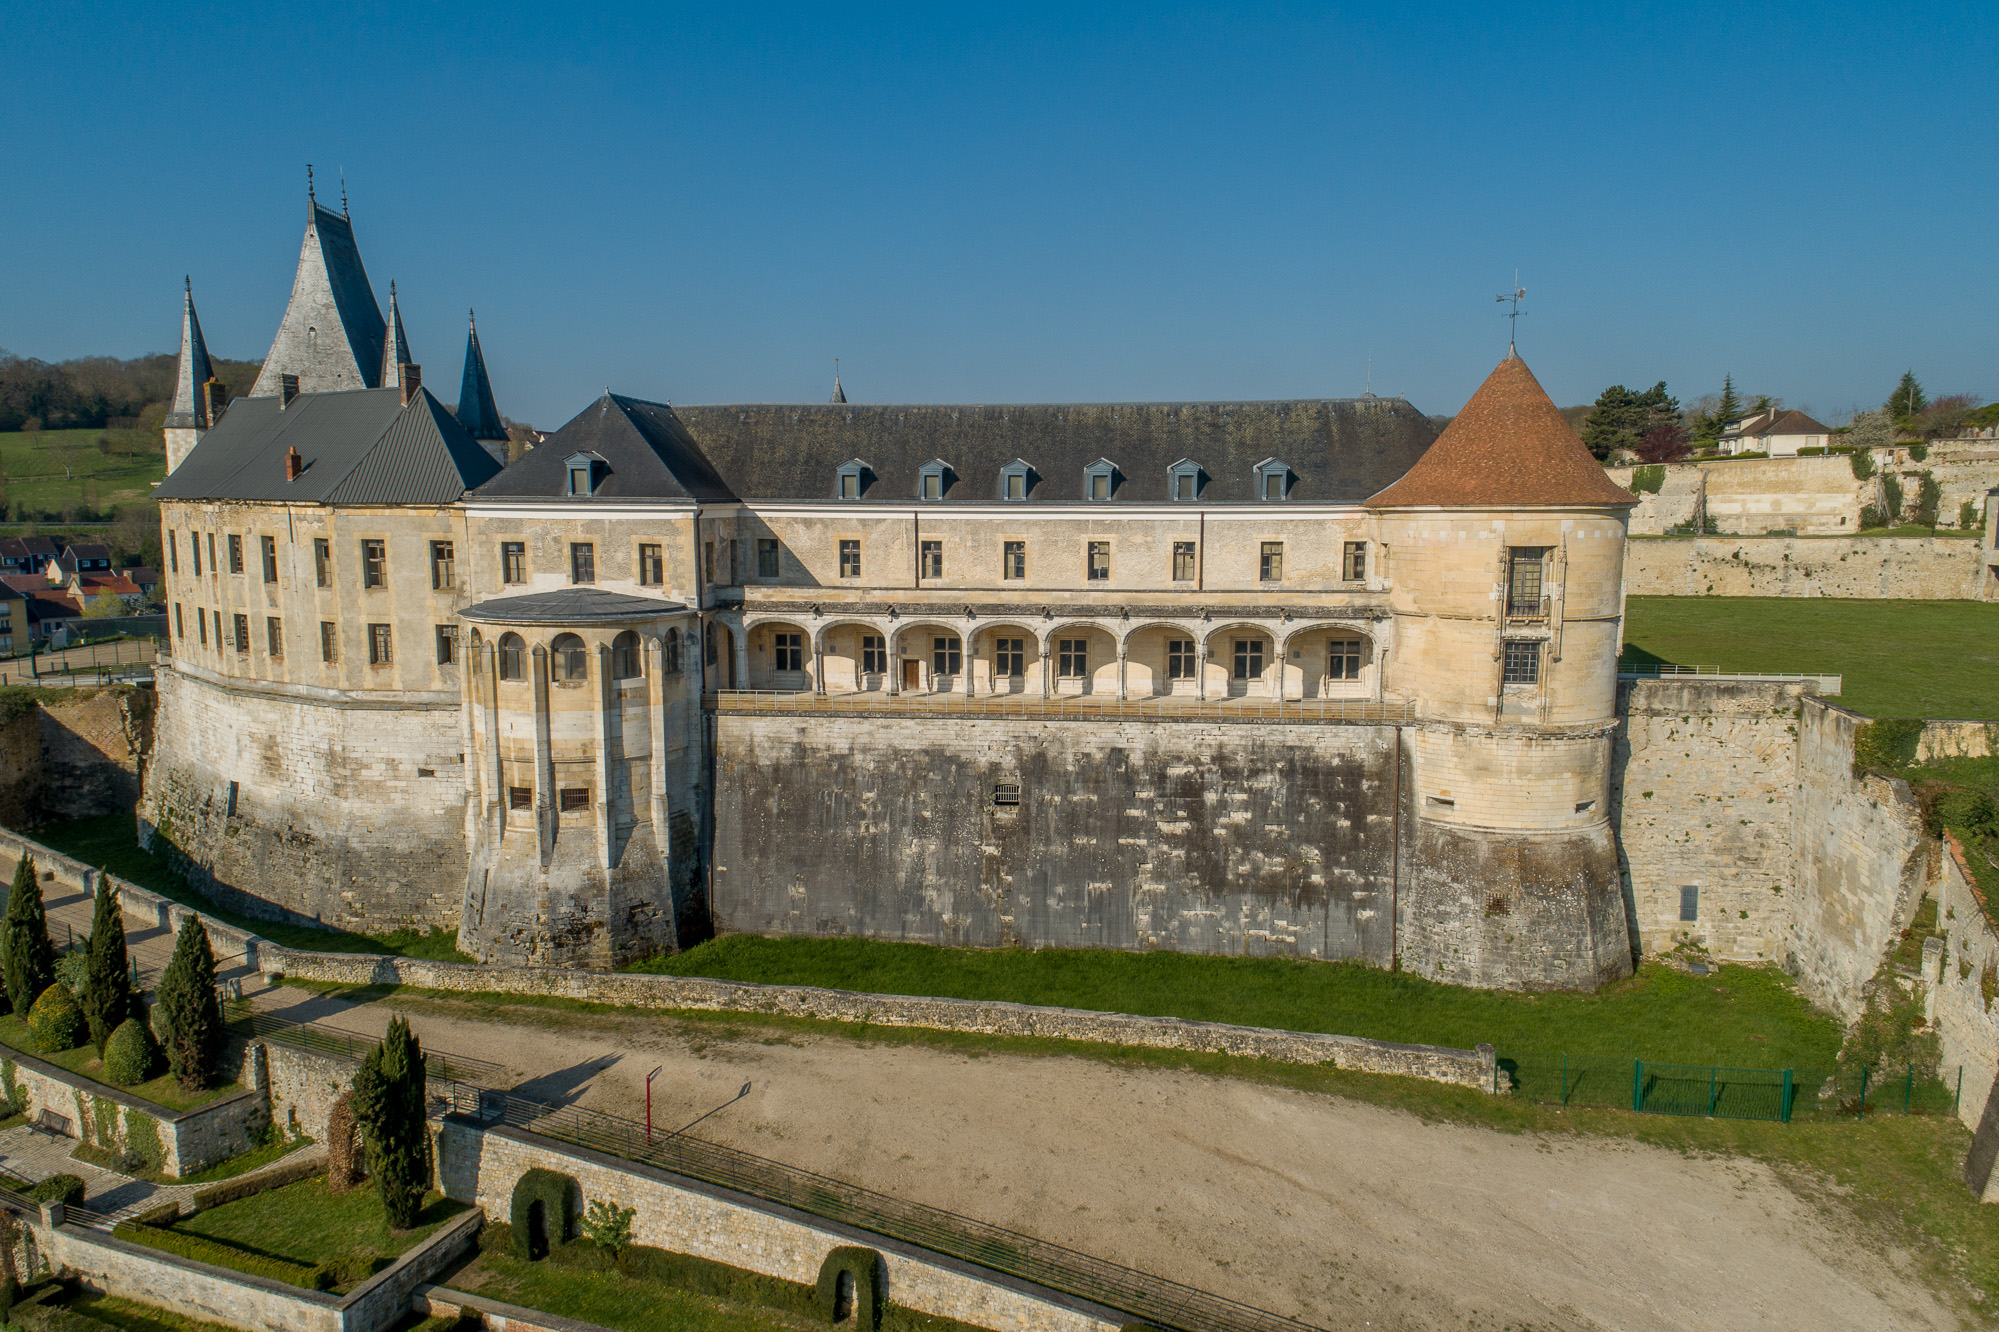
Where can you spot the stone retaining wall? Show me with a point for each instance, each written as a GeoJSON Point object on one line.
{"type": "Point", "coordinates": [1955, 978]}
{"type": "Point", "coordinates": [1957, 739]}
{"type": "Point", "coordinates": [190, 1140]}
{"type": "Point", "coordinates": [1893, 568]}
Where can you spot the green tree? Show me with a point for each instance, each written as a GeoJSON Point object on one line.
{"type": "Point", "coordinates": [389, 1107]}
{"type": "Point", "coordinates": [1730, 406]}
{"type": "Point", "coordinates": [1929, 498]}
{"type": "Point", "coordinates": [106, 998]}
{"type": "Point", "coordinates": [1908, 399]}
{"type": "Point", "coordinates": [26, 958]}
{"type": "Point", "coordinates": [187, 1006]}
{"type": "Point", "coordinates": [105, 605]}
{"type": "Point", "coordinates": [1616, 422]}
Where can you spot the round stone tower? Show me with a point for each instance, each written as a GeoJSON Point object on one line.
{"type": "Point", "coordinates": [1504, 550]}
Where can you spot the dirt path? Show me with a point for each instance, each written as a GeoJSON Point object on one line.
{"type": "Point", "coordinates": [1345, 1215]}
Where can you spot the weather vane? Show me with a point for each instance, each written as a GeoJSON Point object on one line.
{"type": "Point", "coordinates": [1517, 295]}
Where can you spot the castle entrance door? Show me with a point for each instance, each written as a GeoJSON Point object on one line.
{"type": "Point", "coordinates": [912, 673]}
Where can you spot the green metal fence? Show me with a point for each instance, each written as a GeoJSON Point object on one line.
{"type": "Point", "coordinates": [1716, 1092]}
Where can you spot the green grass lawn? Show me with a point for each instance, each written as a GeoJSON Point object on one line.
{"type": "Point", "coordinates": [1740, 1016]}
{"type": "Point", "coordinates": [83, 1060]}
{"type": "Point", "coordinates": [1898, 658]}
{"type": "Point", "coordinates": [132, 1316]}
{"type": "Point", "coordinates": [112, 843]}
{"type": "Point", "coordinates": [125, 475]}
{"type": "Point", "coordinates": [305, 1223]}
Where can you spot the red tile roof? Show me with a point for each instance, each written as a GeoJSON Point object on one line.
{"type": "Point", "coordinates": [1510, 446]}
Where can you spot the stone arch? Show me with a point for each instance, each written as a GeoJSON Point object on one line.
{"type": "Point", "coordinates": [1022, 674]}
{"type": "Point", "coordinates": [915, 656]}
{"type": "Point", "coordinates": [1242, 657]}
{"type": "Point", "coordinates": [568, 659]}
{"type": "Point", "coordinates": [718, 654]}
{"type": "Point", "coordinates": [780, 654]}
{"type": "Point", "coordinates": [841, 647]}
{"type": "Point", "coordinates": [513, 657]}
{"type": "Point", "coordinates": [1313, 668]}
{"type": "Point", "coordinates": [1095, 670]}
{"type": "Point", "coordinates": [1153, 667]}
{"type": "Point", "coordinates": [627, 656]}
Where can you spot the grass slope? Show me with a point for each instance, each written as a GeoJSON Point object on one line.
{"type": "Point", "coordinates": [126, 475]}
{"type": "Point", "coordinates": [1739, 1016]}
{"type": "Point", "coordinates": [163, 1090]}
{"type": "Point", "coordinates": [305, 1223]}
{"type": "Point", "coordinates": [1899, 658]}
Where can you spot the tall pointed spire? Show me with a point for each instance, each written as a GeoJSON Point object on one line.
{"type": "Point", "coordinates": [332, 334]}
{"type": "Point", "coordinates": [190, 409]}
{"type": "Point", "coordinates": [839, 394]}
{"type": "Point", "coordinates": [396, 353]}
{"type": "Point", "coordinates": [477, 411]}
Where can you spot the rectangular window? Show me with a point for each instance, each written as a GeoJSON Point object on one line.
{"type": "Point", "coordinates": [329, 641]}
{"type": "Point", "coordinates": [378, 645]}
{"type": "Point", "coordinates": [374, 564]}
{"type": "Point", "coordinates": [443, 566]}
{"type": "Point", "coordinates": [1249, 659]}
{"type": "Point", "coordinates": [1183, 561]}
{"type": "Point", "coordinates": [1270, 565]}
{"type": "Point", "coordinates": [768, 565]}
{"type": "Point", "coordinates": [946, 655]}
{"type": "Point", "coordinates": [274, 637]}
{"type": "Point", "coordinates": [1343, 659]}
{"type": "Point", "coordinates": [201, 622]}
{"type": "Point", "coordinates": [850, 559]}
{"type": "Point", "coordinates": [1100, 485]}
{"type": "Point", "coordinates": [1072, 658]}
{"type": "Point", "coordinates": [1013, 559]}
{"type": "Point", "coordinates": [1016, 486]}
{"type": "Point", "coordinates": [235, 553]}
{"type": "Point", "coordinates": [787, 652]}
{"type": "Point", "coordinates": [447, 644]}
{"type": "Point", "coordinates": [173, 552]}
{"type": "Point", "coordinates": [1009, 658]}
{"type": "Point", "coordinates": [850, 485]}
{"type": "Point", "coordinates": [1273, 485]}
{"type": "Point", "coordinates": [932, 559]}
{"type": "Point", "coordinates": [322, 561]}
{"type": "Point", "coordinates": [520, 797]}
{"type": "Point", "coordinates": [1353, 565]}
{"type": "Point", "coordinates": [1523, 580]}
{"type": "Point", "coordinates": [933, 486]}
{"type": "Point", "coordinates": [1180, 659]}
{"type": "Point", "coordinates": [194, 549]}
{"type": "Point", "coordinates": [652, 569]}
{"type": "Point", "coordinates": [240, 637]}
{"type": "Point", "coordinates": [180, 625]}
{"type": "Point", "coordinates": [582, 562]}
{"type": "Point", "coordinates": [268, 547]}
{"type": "Point", "coordinates": [1100, 561]}
{"type": "Point", "coordinates": [734, 578]}
{"type": "Point", "coordinates": [1523, 663]}
{"type": "Point", "coordinates": [575, 799]}
{"type": "Point", "coordinates": [213, 567]}
{"type": "Point", "coordinates": [513, 562]}
{"type": "Point", "coordinates": [708, 560]}
{"type": "Point", "coordinates": [1690, 902]}
{"type": "Point", "coordinates": [1183, 486]}
{"type": "Point", "coordinates": [874, 654]}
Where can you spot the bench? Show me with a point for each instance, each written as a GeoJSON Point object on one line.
{"type": "Point", "coordinates": [53, 1124]}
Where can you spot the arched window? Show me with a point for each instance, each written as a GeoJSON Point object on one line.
{"type": "Point", "coordinates": [626, 662]}
{"type": "Point", "coordinates": [513, 658]}
{"type": "Point", "coordinates": [478, 657]}
{"type": "Point", "coordinates": [672, 652]}
{"type": "Point", "coordinates": [572, 659]}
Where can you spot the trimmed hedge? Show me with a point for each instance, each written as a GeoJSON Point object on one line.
{"type": "Point", "coordinates": [196, 1248]}
{"type": "Point", "coordinates": [163, 1215]}
{"type": "Point", "coordinates": [255, 1182]}
{"type": "Point", "coordinates": [55, 1024]}
{"type": "Point", "coordinates": [557, 1193]}
{"type": "Point", "coordinates": [865, 1265]}
{"type": "Point", "coordinates": [65, 1189]}
{"type": "Point", "coordinates": [131, 1055]}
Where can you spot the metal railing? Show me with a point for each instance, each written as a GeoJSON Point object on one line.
{"type": "Point", "coordinates": [132, 657]}
{"type": "Point", "coordinates": [342, 1044]}
{"type": "Point", "coordinates": [1827, 683]}
{"type": "Point", "coordinates": [1719, 1092]}
{"type": "Point", "coordinates": [765, 702]}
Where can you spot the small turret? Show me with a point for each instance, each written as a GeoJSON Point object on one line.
{"type": "Point", "coordinates": [197, 393]}
{"type": "Point", "coordinates": [396, 353]}
{"type": "Point", "coordinates": [839, 394]}
{"type": "Point", "coordinates": [477, 411]}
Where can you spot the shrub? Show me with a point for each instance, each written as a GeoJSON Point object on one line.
{"type": "Point", "coordinates": [1862, 463]}
{"type": "Point", "coordinates": [1891, 496]}
{"type": "Point", "coordinates": [608, 1225]}
{"type": "Point", "coordinates": [197, 1248]}
{"type": "Point", "coordinates": [142, 1139]}
{"type": "Point", "coordinates": [865, 1267]}
{"type": "Point", "coordinates": [1809, 452]}
{"type": "Point", "coordinates": [27, 961]}
{"type": "Point", "coordinates": [65, 1189]}
{"type": "Point", "coordinates": [1886, 746]}
{"type": "Point", "coordinates": [131, 1055]}
{"type": "Point", "coordinates": [557, 1195]}
{"type": "Point", "coordinates": [1920, 452]}
{"type": "Point", "coordinates": [1870, 516]}
{"type": "Point", "coordinates": [1648, 479]}
{"type": "Point", "coordinates": [1961, 808]}
{"type": "Point", "coordinates": [72, 969]}
{"type": "Point", "coordinates": [55, 1024]}
{"type": "Point", "coordinates": [244, 1186]}
{"type": "Point", "coordinates": [1967, 515]}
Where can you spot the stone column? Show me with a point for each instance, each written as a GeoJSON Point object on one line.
{"type": "Point", "coordinates": [1047, 674]}
{"type": "Point", "coordinates": [607, 698]}
{"type": "Point", "coordinates": [742, 656]}
{"type": "Point", "coordinates": [1283, 646]}
{"type": "Point", "coordinates": [544, 760]}
{"type": "Point", "coordinates": [892, 640]}
{"type": "Point", "coordinates": [1201, 670]}
{"type": "Point", "coordinates": [496, 794]}
{"type": "Point", "coordinates": [662, 833]}
{"type": "Point", "coordinates": [1120, 672]}
{"type": "Point", "coordinates": [818, 667]}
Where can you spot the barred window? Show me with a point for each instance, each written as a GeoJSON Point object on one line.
{"type": "Point", "coordinates": [520, 797]}
{"type": "Point", "coordinates": [575, 799]}
{"type": "Point", "coordinates": [235, 553]}
{"type": "Point", "coordinates": [1523, 583]}
{"type": "Point", "coordinates": [1523, 662]}
{"type": "Point", "coordinates": [274, 637]}
{"type": "Point", "coordinates": [329, 641]}
{"type": "Point", "coordinates": [1181, 663]}
{"type": "Point", "coordinates": [241, 639]}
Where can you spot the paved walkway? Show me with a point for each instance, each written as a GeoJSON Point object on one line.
{"type": "Point", "coordinates": [31, 1155]}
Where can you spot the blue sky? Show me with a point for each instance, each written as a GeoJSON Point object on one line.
{"type": "Point", "coordinates": [1023, 203]}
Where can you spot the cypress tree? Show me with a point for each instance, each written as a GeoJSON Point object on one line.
{"type": "Point", "coordinates": [187, 1005]}
{"type": "Point", "coordinates": [389, 1105]}
{"type": "Point", "coordinates": [107, 982]}
{"type": "Point", "coordinates": [1730, 406]}
{"type": "Point", "coordinates": [26, 957]}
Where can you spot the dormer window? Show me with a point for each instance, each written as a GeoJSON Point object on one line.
{"type": "Point", "coordinates": [852, 479]}
{"type": "Point", "coordinates": [1015, 480]}
{"type": "Point", "coordinates": [1273, 479]}
{"type": "Point", "coordinates": [1100, 480]}
{"type": "Point", "coordinates": [933, 479]}
{"type": "Point", "coordinates": [1184, 480]}
{"type": "Point", "coordinates": [584, 470]}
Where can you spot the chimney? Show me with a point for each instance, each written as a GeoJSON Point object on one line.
{"type": "Point", "coordinates": [412, 377]}
{"type": "Point", "coordinates": [293, 464]}
{"type": "Point", "coordinates": [287, 390]}
{"type": "Point", "coordinates": [215, 398]}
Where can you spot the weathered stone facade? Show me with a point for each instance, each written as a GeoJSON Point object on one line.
{"type": "Point", "coordinates": [1892, 568]}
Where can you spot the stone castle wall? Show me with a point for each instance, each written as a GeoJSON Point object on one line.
{"type": "Point", "coordinates": [1955, 981]}
{"type": "Point", "coordinates": [347, 814]}
{"type": "Point", "coordinates": [1895, 568]}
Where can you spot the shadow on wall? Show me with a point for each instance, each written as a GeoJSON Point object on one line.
{"type": "Point", "coordinates": [72, 754]}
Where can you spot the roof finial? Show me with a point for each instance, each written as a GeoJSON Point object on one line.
{"type": "Point", "coordinates": [310, 197]}
{"type": "Point", "coordinates": [343, 191]}
{"type": "Point", "coordinates": [1517, 295]}
{"type": "Point", "coordinates": [187, 284]}
{"type": "Point", "coordinates": [392, 289]}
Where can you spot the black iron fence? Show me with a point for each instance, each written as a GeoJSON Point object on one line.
{"type": "Point", "coordinates": [1717, 1092]}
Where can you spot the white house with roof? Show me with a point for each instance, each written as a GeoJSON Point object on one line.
{"type": "Point", "coordinates": [1779, 432]}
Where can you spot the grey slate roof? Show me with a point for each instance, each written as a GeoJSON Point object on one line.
{"type": "Point", "coordinates": [363, 447]}
{"type": "Point", "coordinates": [569, 605]}
{"type": "Point", "coordinates": [477, 411]}
{"type": "Point", "coordinates": [332, 333]}
{"type": "Point", "coordinates": [646, 452]}
{"type": "Point", "coordinates": [396, 351]}
{"type": "Point", "coordinates": [189, 409]}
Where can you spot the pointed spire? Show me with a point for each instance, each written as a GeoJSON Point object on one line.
{"type": "Point", "coordinates": [343, 196]}
{"type": "Point", "coordinates": [476, 410]}
{"type": "Point", "coordinates": [396, 352]}
{"type": "Point", "coordinates": [190, 406]}
{"type": "Point", "coordinates": [332, 335]}
{"type": "Point", "coordinates": [310, 197]}
{"type": "Point", "coordinates": [839, 394]}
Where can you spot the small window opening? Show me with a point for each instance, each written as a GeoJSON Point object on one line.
{"type": "Point", "coordinates": [575, 798]}
{"type": "Point", "coordinates": [520, 797]}
{"type": "Point", "coordinates": [1690, 902]}
{"type": "Point", "coordinates": [1006, 793]}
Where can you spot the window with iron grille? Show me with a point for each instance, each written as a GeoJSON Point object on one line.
{"type": "Point", "coordinates": [1099, 561]}
{"type": "Point", "coordinates": [850, 559]}
{"type": "Point", "coordinates": [240, 637]}
{"type": "Point", "coordinates": [322, 562]}
{"type": "Point", "coordinates": [1006, 793]}
{"type": "Point", "coordinates": [443, 565]}
{"type": "Point", "coordinates": [268, 546]}
{"type": "Point", "coordinates": [329, 641]}
{"type": "Point", "coordinates": [274, 637]}
{"type": "Point", "coordinates": [652, 568]}
{"type": "Point", "coordinates": [1009, 657]}
{"type": "Point", "coordinates": [932, 559]}
{"type": "Point", "coordinates": [378, 645]}
{"type": "Point", "coordinates": [946, 655]}
{"type": "Point", "coordinates": [874, 654]}
{"type": "Point", "coordinates": [513, 562]}
{"type": "Point", "coordinates": [173, 552]}
{"type": "Point", "coordinates": [582, 562]}
{"type": "Point", "coordinates": [520, 797]}
{"type": "Point", "coordinates": [1523, 580]}
{"type": "Point", "coordinates": [235, 553]}
{"type": "Point", "coordinates": [787, 652]}
{"type": "Point", "coordinates": [1343, 659]}
{"type": "Point", "coordinates": [447, 644]}
{"type": "Point", "coordinates": [1270, 566]}
{"type": "Point", "coordinates": [1249, 659]}
{"type": "Point", "coordinates": [1181, 664]}
{"type": "Point", "coordinates": [374, 564]}
{"type": "Point", "coordinates": [1522, 663]}
{"type": "Point", "coordinates": [1013, 559]}
{"type": "Point", "coordinates": [575, 799]}
{"type": "Point", "coordinates": [767, 558]}
{"type": "Point", "coordinates": [1353, 564]}
{"type": "Point", "coordinates": [1183, 561]}
{"type": "Point", "coordinates": [1072, 658]}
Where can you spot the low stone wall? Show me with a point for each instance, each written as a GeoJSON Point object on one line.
{"type": "Point", "coordinates": [108, 1117]}
{"type": "Point", "coordinates": [1957, 739]}
{"type": "Point", "coordinates": [1956, 978]}
{"type": "Point", "coordinates": [1677, 503]}
{"type": "Point", "coordinates": [1893, 568]}
{"type": "Point", "coordinates": [482, 1165]}
{"type": "Point", "coordinates": [1464, 1068]}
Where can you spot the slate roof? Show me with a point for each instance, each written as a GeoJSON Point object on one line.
{"type": "Point", "coordinates": [1793, 422]}
{"type": "Point", "coordinates": [396, 351]}
{"type": "Point", "coordinates": [1339, 450]}
{"type": "Point", "coordinates": [477, 411]}
{"type": "Point", "coordinates": [189, 408]}
{"type": "Point", "coordinates": [332, 332]}
{"type": "Point", "coordinates": [1509, 446]}
{"type": "Point", "coordinates": [363, 447]}
{"type": "Point", "coordinates": [569, 605]}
